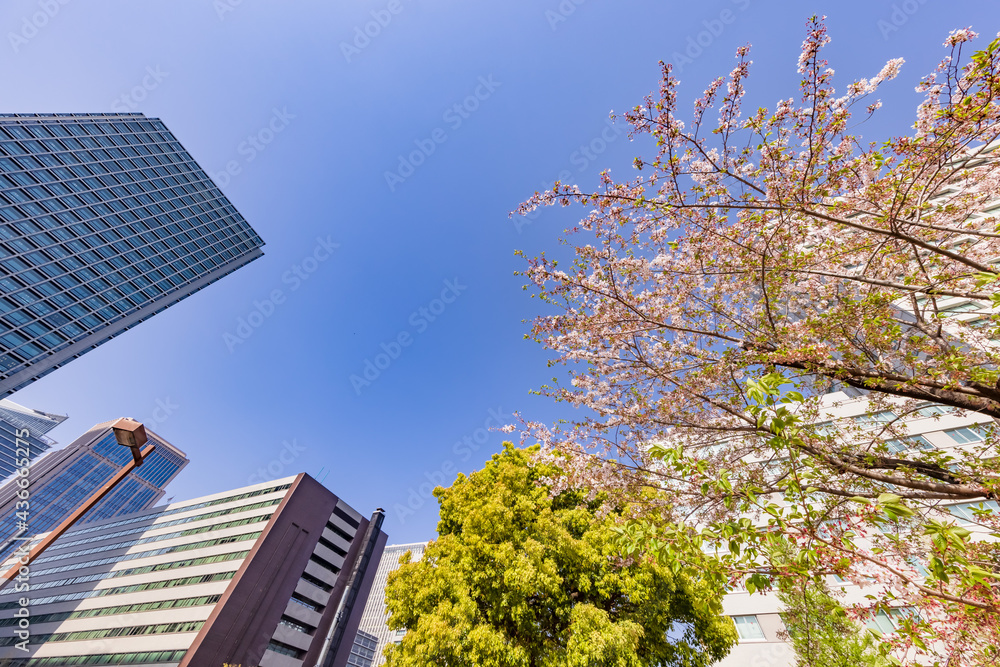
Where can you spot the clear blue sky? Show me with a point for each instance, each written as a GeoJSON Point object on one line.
{"type": "Point", "coordinates": [331, 113]}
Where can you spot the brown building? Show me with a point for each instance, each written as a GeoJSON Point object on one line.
{"type": "Point", "coordinates": [274, 574]}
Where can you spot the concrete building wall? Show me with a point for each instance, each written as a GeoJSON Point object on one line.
{"type": "Point", "coordinates": [939, 428]}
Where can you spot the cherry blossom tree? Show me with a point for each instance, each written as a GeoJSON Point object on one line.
{"type": "Point", "coordinates": [757, 261]}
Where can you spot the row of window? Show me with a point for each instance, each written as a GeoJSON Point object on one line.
{"type": "Point", "coordinates": [146, 569]}
{"type": "Point", "coordinates": [748, 627]}
{"type": "Point", "coordinates": [118, 259]}
{"type": "Point", "coordinates": [204, 234]}
{"type": "Point", "coordinates": [154, 538]}
{"type": "Point", "coordinates": [285, 649]}
{"type": "Point", "coordinates": [963, 435]}
{"type": "Point", "coordinates": [96, 146]}
{"type": "Point", "coordinates": [45, 232]}
{"type": "Point", "coordinates": [58, 177]}
{"type": "Point", "coordinates": [109, 633]}
{"type": "Point", "coordinates": [308, 604]}
{"type": "Point", "coordinates": [318, 583]}
{"type": "Point", "coordinates": [127, 213]}
{"type": "Point", "coordinates": [190, 519]}
{"type": "Point", "coordinates": [157, 552]}
{"type": "Point", "coordinates": [80, 483]}
{"type": "Point", "coordinates": [967, 511]}
{"type": "Point", "coordinates": [121, 590]}
{"type": "Point", "coordinates": [38, 619]}
{"type": "Point", "coordinates": [8, 447]}
{"type": "Point", "coordinates": [156, 269]}
{"type": "Point", "coordinates": [333, 547]}
{"type": "Point", "coordinates": [93, 188]}
{"type": "Point", "coordinates": [325, 564]}
{"type": "Point", "coordinates": [140, 658]}
{"type": "Point", "coordinates": [350, 520]}
{"type": "Point", "coordinates": [338, 531]}
{"type": "Point", "coordinates": [94, 158]}
{"type": "Point", "coordinates": [58, 262]}
{"type": "Point", "coordinates": [296, 625]}
{"type": "Point", "coordinates": [908, 443]}
{"type": "Point", "coordinates": [152, 516]}
{"type": "Point", "coordinates": [65, 127]}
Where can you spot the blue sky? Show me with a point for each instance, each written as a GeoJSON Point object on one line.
{"type": "Point", "coordinates": [384, 205]}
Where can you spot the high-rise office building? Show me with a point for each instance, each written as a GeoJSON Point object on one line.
{"type": "Point", "coordinates": [262, 575]}
{"type": "Point", "coordinates": [373, 620]}
{"type": "Point", "coordinates": [363, 653]}
{"type": "Point", "coordinates": [105, 220]}
{"type": "Point", "coordinates": [61, 481]}
{"type": "Point", "coordinates": [36, 421]}
{"type": "Point", "coordinates": [22, 434]}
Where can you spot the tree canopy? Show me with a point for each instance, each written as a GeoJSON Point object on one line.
{"type": "Point", "coordinates": [521, 578]}
{"type": "Point", "coordinates": [758, 261]}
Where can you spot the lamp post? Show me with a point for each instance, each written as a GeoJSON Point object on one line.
{"type": "Point", "coordinates": [129, 433]}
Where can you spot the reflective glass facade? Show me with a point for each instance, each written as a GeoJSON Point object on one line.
{"type": "Point", "coordinates": [62, 481]}
{"type": "Point", "coordinates": [23, 429]}
{"type": "Point", "coordinates": [105, 220]}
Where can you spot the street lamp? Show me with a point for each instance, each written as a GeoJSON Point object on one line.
{"type": "Point", "coordinates": [128, 433]}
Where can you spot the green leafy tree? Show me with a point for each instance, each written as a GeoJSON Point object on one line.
{"type": "Point", "coordinates": [817, 625]}
{"type": "Point", "coordinates": [521, 576]}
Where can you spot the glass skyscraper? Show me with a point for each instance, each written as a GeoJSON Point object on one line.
{"type": "Point", "coordinates": [23, 428]}
{"type": "Point", "coordinates": [105, 220]}
{"type": "Point", "coordinates": [61, 481]}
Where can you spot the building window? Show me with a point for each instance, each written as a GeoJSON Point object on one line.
{"type": "Point", "coordinates": [875, 419]}
{"type": "Point", "coordinates": [908, 443]}
{"type": "Point", "coordinates": [748, 628]}
{"type": "Point", "coordinates": [967, 511]}
{"type": "Point", "coordinates": [967, 434]}
{"type": "Point", "coordinates": [932, 410]}
{"type": "Point", "coordinates": [285, 649]}
{"type": "Point", "coordinates": [887, 622]}
{"type": "Point", "coordinates": [289, 622]}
